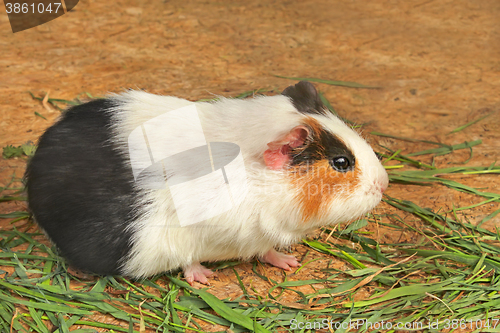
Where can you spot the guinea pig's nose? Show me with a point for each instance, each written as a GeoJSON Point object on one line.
{"type": "Point", "coordinates": [382, 184]}
{"type": "Point", "coordinates": [383, 187]}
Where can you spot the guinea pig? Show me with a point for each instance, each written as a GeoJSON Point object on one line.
{"type": "Point", "coordinates": [137, 184]}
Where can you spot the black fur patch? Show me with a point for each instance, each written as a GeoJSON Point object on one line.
{"type": "Point", "coordinates": [305, 98]}
{"type": "Point", "coordinates": [323, 145]}
{"type": "Point", "coordinates": [80, 189]}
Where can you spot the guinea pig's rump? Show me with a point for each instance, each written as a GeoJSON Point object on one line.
{"type": "Point", "coordinates": [80, 189]}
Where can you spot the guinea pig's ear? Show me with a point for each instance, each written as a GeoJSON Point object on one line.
{"type": "Point", "coordinates": [278, 155]}
{"type": "Point", "coordinates": [305, 98]}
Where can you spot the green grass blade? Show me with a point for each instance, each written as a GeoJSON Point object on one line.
{"type": "Point", "coordinates": [461, 128]}
{"type": "Point", "coordinates": [330, 82]}
{"type": "Point", "coordinates": [222, 309]}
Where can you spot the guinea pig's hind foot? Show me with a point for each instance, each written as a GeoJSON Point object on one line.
{"type": "Point", "coordinates": [280, 260]}
{"type": "Point", "coordinates": [197, 272]}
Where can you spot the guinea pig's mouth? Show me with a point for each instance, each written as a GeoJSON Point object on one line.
{"type": "Point", "coordinates": [374, 191]}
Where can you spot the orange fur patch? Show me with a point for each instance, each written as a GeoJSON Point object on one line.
{"type": "Point", "coordinates": [318, 184]}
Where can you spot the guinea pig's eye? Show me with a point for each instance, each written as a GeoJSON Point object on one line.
{"type": "Point", "coordinates": [341, 163]}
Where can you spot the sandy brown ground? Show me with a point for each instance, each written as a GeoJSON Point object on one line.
{"type": "Point", "coordinates": [437, 62]}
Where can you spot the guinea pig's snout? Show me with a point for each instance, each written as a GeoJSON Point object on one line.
{"type": "Point", "coordinates": [382, 186]}
{"type": "Point", "coordinates": [382, 183]}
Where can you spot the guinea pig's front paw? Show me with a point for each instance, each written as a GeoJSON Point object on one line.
{"type": "Point", "coordinates": [280, 260]}
{"type": "Point", "coordinates": [197, 272]}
